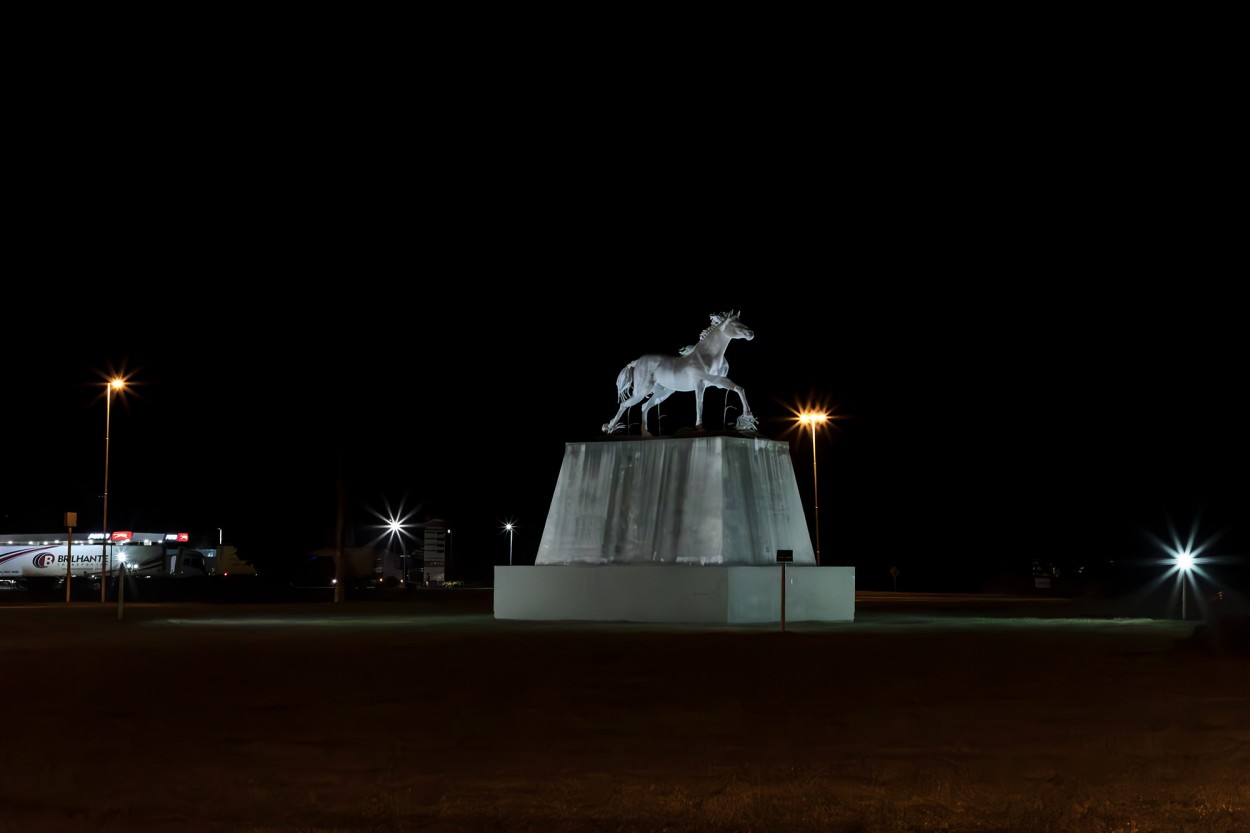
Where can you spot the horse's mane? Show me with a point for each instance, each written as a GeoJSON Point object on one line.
{"type": "Point", "coordinates": [718, 320]}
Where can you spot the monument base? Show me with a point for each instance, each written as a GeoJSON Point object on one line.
{"type": "Point", "coordinates": [707, 500]}
{"type": "Point", "coordinates": [675, 593]}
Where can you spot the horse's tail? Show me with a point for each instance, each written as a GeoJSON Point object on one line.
{"type": "Point", "coordinates": [625, 382]}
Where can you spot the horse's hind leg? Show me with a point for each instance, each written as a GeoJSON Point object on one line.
{"type": "Point", "coordinates": [610, 427]}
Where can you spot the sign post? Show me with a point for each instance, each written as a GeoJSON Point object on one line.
{"type": "Point", "coordinates": [121, 587]}
{"type": "Point", "coordinates": [783, 558]}
{"type": "Point", "coordinates": [71, 521]}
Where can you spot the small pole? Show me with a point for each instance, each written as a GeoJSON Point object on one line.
{"type": "Point", "coordinates": [815, 493]}
{"type": "Point", "coordinates": [783, 597]}
{"type": "Point", "coordinates": [121, 587]}
{"type": "Point", "coordinates": [784, 556]}
{"type": "Point", "coordinates": [71, 521]}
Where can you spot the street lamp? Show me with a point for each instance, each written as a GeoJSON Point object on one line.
{"type": "Point", "coordinates": [811, 419]}
{"type": "Point", "coordinates": [114, 384]}
{"type": "Point", "coordinates": [1184, 563]}
{"type": "Point", "coordinates": [397, 531]}
{"type": "Point", "coordinates": [508, 527]}
{"type": "Point", "coordinates": [396, 524]}
{"type": "Point", "coordinates": [1187, 558]}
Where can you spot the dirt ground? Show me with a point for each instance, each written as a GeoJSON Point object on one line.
{"type": "Point", "coordinates": [427, 714]}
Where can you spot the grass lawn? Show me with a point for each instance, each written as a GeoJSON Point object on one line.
{"type": "Point", "coordinates": [430, 715]}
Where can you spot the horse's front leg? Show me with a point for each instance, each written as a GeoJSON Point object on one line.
{"type": "Point", "coordinates": [746, 422]}
{"type": "Point", "coordinates": [657, 396]}
{"type": "Point", "coordinates": [742, 395]}
{"type": "Point", "coordinates": [699, 387]}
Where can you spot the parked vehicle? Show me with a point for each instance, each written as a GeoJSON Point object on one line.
{"type": "Point", "coordinates": [46, 561]}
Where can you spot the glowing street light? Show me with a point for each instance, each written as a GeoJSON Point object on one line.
{"type": "Point", "coordinates": [396, 528]}
{"type": "Point", "coordinates": [1184, 563]}
{"type": "Point", "coordinates": [1188, 559]}
{"type": "Point", "coordinates": [508, 527]}
{"type": "Point", "coordinates": [397, 524]}
{"type": "Point", "coordinates": [114, 384]}
{"type": "Point", "coordinates": [811, 419]}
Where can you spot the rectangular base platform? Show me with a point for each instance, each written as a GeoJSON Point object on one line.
{"type": "Point", "coordinates": [675, 593]}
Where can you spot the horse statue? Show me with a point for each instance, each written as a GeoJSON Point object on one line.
{"type": "Point", "coordinates": [655, 377]}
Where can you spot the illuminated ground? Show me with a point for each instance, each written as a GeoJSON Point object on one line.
{"type": "Point", "coordinates": [427, 714]}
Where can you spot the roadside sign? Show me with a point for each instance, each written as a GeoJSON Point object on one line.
{"type": "Point", "coordinates": [784, 557]}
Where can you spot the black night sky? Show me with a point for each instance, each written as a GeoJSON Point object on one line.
{"type": "Point", "coordinates": [978, 427]}
{"type": "Point", "coordinates": [1026, 361]}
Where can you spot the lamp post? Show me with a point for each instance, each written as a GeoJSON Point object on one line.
{"type": "Point", "coordinates": [116, 383]}
{"type": "Point", "coordinates": [396, 528]}
{"type": "Point", "coordinates": [1184, 563]}
{"type": "Point", "coordinates": [508, 527]}
{"type": "Point", "coordinates": [811, 419]}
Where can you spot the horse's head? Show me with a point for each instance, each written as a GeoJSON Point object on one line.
{"type": "Point", "coordinates": [733, 327]}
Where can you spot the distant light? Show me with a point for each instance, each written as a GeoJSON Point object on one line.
{"type": "Point", "coordinates": [1185, 561]}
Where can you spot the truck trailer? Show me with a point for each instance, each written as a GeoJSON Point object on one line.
{"type": "Point", "coordinates": [46, 561]}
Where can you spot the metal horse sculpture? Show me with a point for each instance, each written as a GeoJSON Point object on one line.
{"type": "Point", "coordinates": [656, 377]}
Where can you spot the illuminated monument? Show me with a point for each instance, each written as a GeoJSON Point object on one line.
{"type": "Point", "coordinates": [677, 529]}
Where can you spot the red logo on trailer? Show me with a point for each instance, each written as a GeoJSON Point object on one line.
{"type": "Point", "coordinates": [121, 536]}
{"type": "Point", "coordinates": [183, 537]}
{"type": "Point", "coordinates": [44, 559]}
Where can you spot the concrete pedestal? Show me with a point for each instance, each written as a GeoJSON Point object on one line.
{"type": "Point", "coordinates": [682, 529]}
{"type": "Point", "coordinates": [675, 593]}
